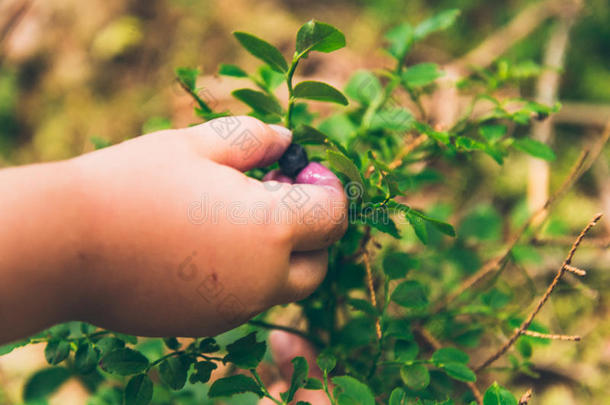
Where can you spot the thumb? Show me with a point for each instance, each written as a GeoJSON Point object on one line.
{"type": "Point", "coordinates": [241, 142]}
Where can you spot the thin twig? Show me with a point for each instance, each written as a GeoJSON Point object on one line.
{"type": "Point", "coordinates": [528, 321]}
{"type": "Point", "coordinates": [576, 270]}
{"type": "Point", "coordinates": [371, 287]}
{"type": "Point", "coordinates": [408, 148]}
{"type": "Point", "coordinates": [266, 325]}
{"type": "Point", "coordinates": [525, 398]}
{"type": "Point", "coordinates": [571, 338]}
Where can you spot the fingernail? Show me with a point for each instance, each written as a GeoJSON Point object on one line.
{"type": "Point", "coordinates": [282, 131]}
{"type": "Point", "coordinates": [276, 175]}
{"type": "Point", "coordinates": [318, 174]}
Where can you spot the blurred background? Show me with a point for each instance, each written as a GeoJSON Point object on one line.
{"type": "Point", "coordinates": [75, 73]}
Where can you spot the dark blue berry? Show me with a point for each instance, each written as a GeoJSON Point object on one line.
{"type": "Point", "coordinates": [293, 160]}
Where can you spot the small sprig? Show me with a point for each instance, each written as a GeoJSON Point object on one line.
{"type": "Point", "coordinates": [530, 318]}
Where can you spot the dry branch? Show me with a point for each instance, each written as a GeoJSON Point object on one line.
{"type": "Point", "coordinates": [525, 398]}
{"type": "Point", "coordinates": [371, 287]}
{"type": "Point", "coordinates": [550, 336]}
{"type": "Point", "coordinates": [530, 318]}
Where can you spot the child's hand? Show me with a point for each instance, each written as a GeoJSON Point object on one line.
{"type": "Point", "coordinates": [178, 242]}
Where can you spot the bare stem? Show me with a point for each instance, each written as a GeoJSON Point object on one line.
{"type": "Point", "coordinates": [530, 318]}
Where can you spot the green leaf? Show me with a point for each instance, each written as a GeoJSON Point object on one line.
{"type": "Point", "coordinates": [459, 371]}
{"type": "Point", "coordinates": [271, 78]}
{"type": "Point", "coordinates": [326, 361]}
{"type": "Point", "coordinates": [12, 346]}
{"type": "Point", "coordinates": [496, 395]}
{"type": "Point", "coordinates": [410, 294]}
{"type": "Point", "coordinates": [419, 226]}
{"type": "Point", "coordinates": [397, 264]}
{"type": "Point", "coordinates": [421, 75]}
{"type": "Point", "coordinates": [313, 384]}
{"type": "Point", "coordinates": [415, 376]}
{"type": "Point", "coordinates": [154, 124]}
{"type": "Point", "coordinates": [188, 77]}
{"type": "Point", "coordinates": [203, 372]}
{"type": "Point", "coordinates": [86, 358]}
{"type": "Point", "coordinates": [364, 87]}
{"type": "Point", "coordinates": [126, 338]}
{"type": "Point", "coordinates": [380, 220]}
{"type": "Point", "coordinates": [348, 390]}
{"type": "Point", "coordinates": [56, 351]}
{"type": "Point", "coordinates": [139, 390]}
{"type": "Point", "coordinates": [443, 227]}
{"type": "Point", "coordinates": [231, 70]}
{"type": "Point", "coordinates": [44, 382]}
{"type": "Point", "coordinates": [492, 133]}
{"type": "Point", "coordinates": [387, 175]}
{"type": "Point", "coordinates": [235, 384]}
{"type": "Point", "coordinates": [306, 135]}
{"type": "Point", "coordinates": [171, 343]}
{"type": "Point", "coordinates": [312, 90]}
{"type": "Point", "coordinates": [449, 355]}
{"type": "Point", "coordinates": [299, 378]}
{"type": "Point", "coordinates": [344, 165]}
{"type": "Point", "coordinates": [525, 348]}
{"type": "Point", "coordinates": [246, 352]}
{"type": "Point", "coordinates": [318, 36]}
{"type": "Point", "coordinates": [260, 102]}
{"type": "Point", "coordinates": [108, 344]}
{"type": "Point", "coordinates": [124, 361]}
{"type": "Point", "coordinates": [99, 142]}
{"type": "Point", "coordinates": [263, 50]}
{"type": "Point", "coordinates": [400, 39]}
{"type": "Point", "coordinates": [405, 350]}
{"type": "Point", "coordinates": [483, 223]}
{"type": "Point", "coordinates": [397, 396]}
{"type": "Point", "coordinates": [440, 21]}
{"type": "Point", "coordinates": [208, 345]}
{"type": "Point", "coordinates": [173, 372]}
{"type": "Point", "coordinates": [392, 119]}
{"type": "Point", "coordinates": [535, 148]}
{"type": "Point", "coordinates": [363, 305]}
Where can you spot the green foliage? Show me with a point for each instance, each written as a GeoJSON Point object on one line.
{"type": "Point", "coordinates": [139, 390]}
{"type": "Point", "coordinates": [44, 382]}
{"type": "Point", "coordinates": [235, 384]}
{"type": "Point", "coordinates": [263, 50]}
{"type": "Point", "coordinates": [124, 361]}
{"type": "Point", "coordinates": [496, 395]}
{"type": "Point", "coordinates": [318, 91]}
{"type": "Point", "coordinates": [363, 142]}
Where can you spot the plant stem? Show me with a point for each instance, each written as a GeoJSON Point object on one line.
{"type": "Point", "coordinates": [264, 389]}
{"type": "Point", "coordinates": [312, 339]}
{"type": "Point", "coordinates": [291, 100]}
{"type": "Point", "coordinates": [160, 359]}
{"type": "Point", "coordinates": [326, 389]}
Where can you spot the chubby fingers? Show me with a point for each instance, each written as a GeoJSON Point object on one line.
{"type": "Point", "coordinates": [314, 206]}
{"type": "Point", "coordinates": [240, 142]}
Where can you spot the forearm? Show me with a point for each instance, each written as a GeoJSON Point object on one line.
{"type": "Point", "coordinates": [40, 244]}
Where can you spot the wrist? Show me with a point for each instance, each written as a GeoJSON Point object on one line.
{"type": "Point", "coordinates": [41, 245]}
